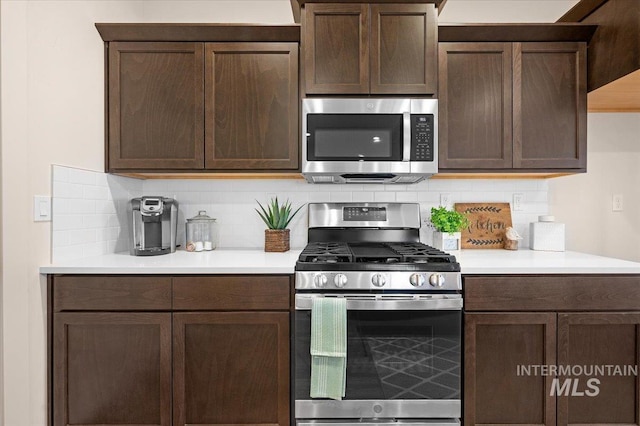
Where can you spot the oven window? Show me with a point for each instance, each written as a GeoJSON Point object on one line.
{"type": "Point", "coordinates": [391, 355]}
{"type": "Point", "coordinates": [354, 137]}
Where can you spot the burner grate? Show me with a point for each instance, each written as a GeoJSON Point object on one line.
{"type": "Point", "coordinates": [326, 252]}
{"type": "Point", "coordinates": [421, 253]}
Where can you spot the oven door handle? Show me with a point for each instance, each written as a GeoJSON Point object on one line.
{"type": "Point", "coordinates": [376, 422]}
{"type": "Point", "coordinates": [304, 302]}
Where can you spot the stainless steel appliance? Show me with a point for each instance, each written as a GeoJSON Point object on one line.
{"type": "Point", "coordinates": [154, 223]}
{"type": "Point", "coordinates": [369, 140]}
{"type": "Point", "coordinates": [404, 317]}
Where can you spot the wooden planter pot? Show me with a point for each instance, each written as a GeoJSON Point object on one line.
{"type": "Point", "coordinates": [276, 240]}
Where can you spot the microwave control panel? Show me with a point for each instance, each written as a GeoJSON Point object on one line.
{"type": "Point", "coordinates": [422, 130]}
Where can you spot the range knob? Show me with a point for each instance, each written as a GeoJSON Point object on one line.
{"type": "Point", "coordinates": [436, 280]}
{"type": "Point", "coordinates": [320, 280]}
{"type": "Point", "coordinates": [378, 280]}
{"type": "Point", "coordinates": [416, 280]}
{"type": "Point", "coordinates": [340, 280]}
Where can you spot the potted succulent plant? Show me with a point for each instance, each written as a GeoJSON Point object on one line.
{"type": "Point", "coordinates": [447, 224]}
{"type": "Point", "coordinates": [277, 217]}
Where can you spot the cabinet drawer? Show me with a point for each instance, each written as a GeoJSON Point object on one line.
{"type": "Point", "coordinates": [109, 293]}
{"type": "Point", "coordinates": [552, 293]}
{"type": "Point", "coordinates": [244, 293]}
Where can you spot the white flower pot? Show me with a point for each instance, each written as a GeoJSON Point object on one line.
{"type": "Point", "coordinates": [446, 241]}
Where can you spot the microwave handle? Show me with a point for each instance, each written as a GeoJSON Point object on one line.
{"type": "Point", "coordinates": [406, 136]}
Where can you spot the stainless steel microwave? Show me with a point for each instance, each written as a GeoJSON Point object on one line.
{"type": "Point", "coordinates": [369, 140]}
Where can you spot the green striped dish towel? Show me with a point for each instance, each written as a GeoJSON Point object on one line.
{"type": "Point", "coordinates": [328, 348]}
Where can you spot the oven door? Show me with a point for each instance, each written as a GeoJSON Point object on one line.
{"type": "Point", "coordinates": [403, 358]}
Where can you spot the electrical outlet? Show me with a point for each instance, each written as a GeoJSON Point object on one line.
{"type": "Point", "coordinates": [445, 200]}
{"type": "Point", "coordinates": [518, 202]}
{"type": "Point", "coordinates": [617, 203]}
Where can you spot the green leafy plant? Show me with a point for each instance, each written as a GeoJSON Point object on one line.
{"type": "Point", "coordinates": [444, 220]}
{"type": "Point", "coordinates": [277, 216]}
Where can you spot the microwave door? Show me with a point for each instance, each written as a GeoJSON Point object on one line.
{"type": "Point", "coordinates": [355, 137]}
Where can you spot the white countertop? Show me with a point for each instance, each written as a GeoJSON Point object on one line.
{"type": "Point", "coordinates": [541, 262]}
{"type": "Point", "coordinates": [182, 262]}
{"type": "Point", "coordinates": [228, 261]}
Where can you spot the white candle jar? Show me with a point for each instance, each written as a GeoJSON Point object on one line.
{"type": "Point", "coordinates": [546, 234]}
{"type": "Point", "coordinates": [201, 233]}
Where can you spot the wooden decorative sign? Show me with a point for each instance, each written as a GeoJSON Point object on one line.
{"type": "Point", "coordinates": [487, 224]}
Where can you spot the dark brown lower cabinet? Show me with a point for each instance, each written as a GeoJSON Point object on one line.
{"type": "Point", "coordinates": [600, 339]}
{"type": "Point", "coordinates": [112, 369]}
{"type": "Point", "coordinates": [586, 326]}
{"type": "Point", "coordinates": [496, 345]}
{"type": "Point", "coordinates": [231, 368]}
{"type": "Point", "coordinates": [167, 351]}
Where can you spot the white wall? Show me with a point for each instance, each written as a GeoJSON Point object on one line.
{"type": "Point", "coordinates": [52, 113]}
{"type": "Point", "coordinates": [473, 11]}
{"type": "Point", "coordinates": [584, 202]}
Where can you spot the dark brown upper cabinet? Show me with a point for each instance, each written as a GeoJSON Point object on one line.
{"type": "Point", "coordinates": [550, 105]}
{"type": "Point", "coordinates": [251, 104]}
{"type": "Point", "coordinates": [359, 48]}
{"type": "Point", "coordinates": [156, 105]}
{"type": "Point", "coordinates": [202, 98]}
{"type": "Point", "coordinates": [475, 106]}
{"type": "Point", "coordinates": [512, 106]}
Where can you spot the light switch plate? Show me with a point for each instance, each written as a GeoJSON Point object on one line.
{"type": "Point", "coordinates": [41, 208]}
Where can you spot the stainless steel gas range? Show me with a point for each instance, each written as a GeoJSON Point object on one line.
{"type": "Point", "coordinates": [404, 317]}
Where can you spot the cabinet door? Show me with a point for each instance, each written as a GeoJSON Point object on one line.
{"type": "Point", "coordinates": [495, 346]}
{"type": "Point", "coordinates": [231, 368]}
{"type": "Point", "coordinates": [403, 49]}
{"type": "Point", "coordinates": [156, 106]}
{"type": "Point", "coordinates": [600, 339]}
{"type": "Point", "coordinates": [475, 82]}
{"type": "Point", "coordinates": [336, 45]}
{"type": "Point", "coordinates": [112, 369]}
{"type": "Point", "coordinates": [549, 105]}
{"type": "Point", "coordinates": [251, 106]}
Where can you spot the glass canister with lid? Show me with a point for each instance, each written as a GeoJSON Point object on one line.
{"type": "Point", "coordinates": [201, 233]}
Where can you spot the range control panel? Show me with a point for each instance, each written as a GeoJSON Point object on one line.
{"type": "Point", "coordinates": [366, 214]}
{"type": "Point", "coordinates": [422, 130]}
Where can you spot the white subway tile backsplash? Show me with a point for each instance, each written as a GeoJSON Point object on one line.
{"type": "Point", "coordinates": [90, 208]}
{"type": "Point", "coordinates": [430, 197]}
{"type": "Point", "coordinates": [362, 197]}
{"type": "Point", "coordinates": [340, 197]}
{"type": "Point", "coordinates": [395, 188]}
{"type": "Point", "coordinates": [384, 197]}
{"type": "Point", "coordinates": [82, 177]}
{"type": "Point", "coordinates": [60, 174]}
{"type": "Point", "coordinates": [320, 197]}
{"type": "Point", "coordinates": [89, 212]}
{"type": "Point", "coordinates": [96, 193]}
{"type": "Point", "coordinates": [407, 197]}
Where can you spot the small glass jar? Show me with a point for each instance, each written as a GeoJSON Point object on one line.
{"type": "Point", "coordinates": [201, 233]}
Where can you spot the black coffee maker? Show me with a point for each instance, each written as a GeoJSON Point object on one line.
{"type": "Point", "coordinates": [154, 223]}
